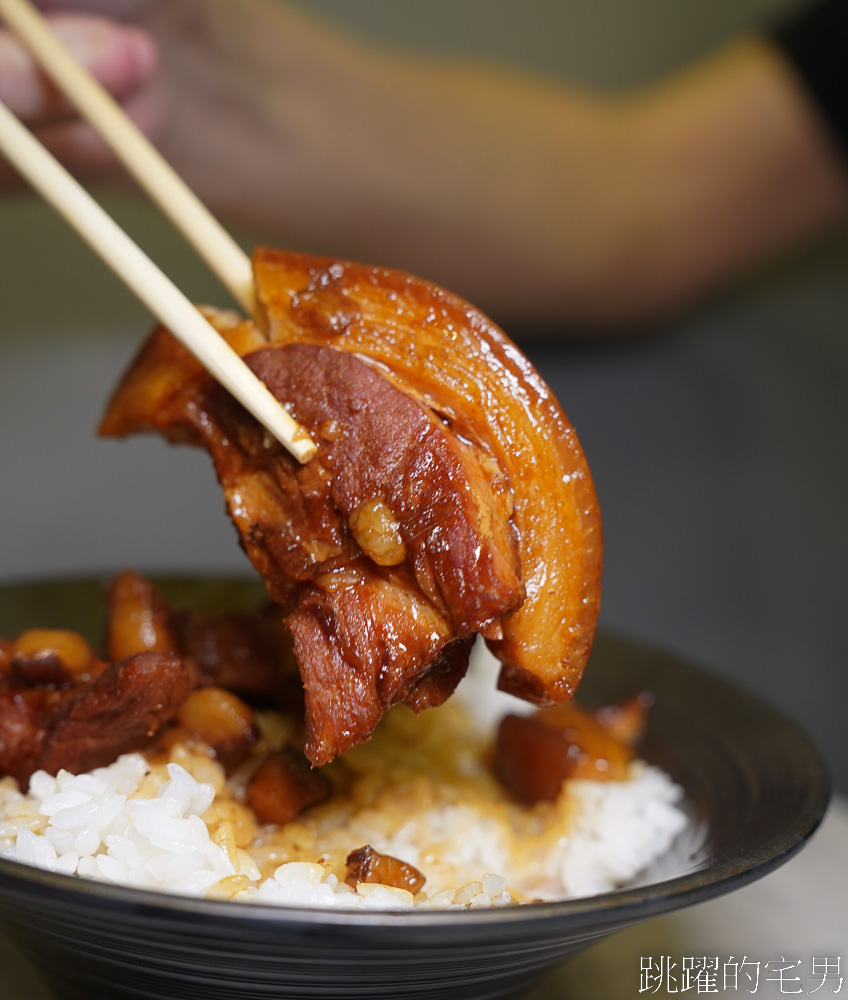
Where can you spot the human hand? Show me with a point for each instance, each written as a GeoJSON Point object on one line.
{"type": "Point", "coordinates": [224, 92]}
{"type": "Point", "coordinates": [121, 56]}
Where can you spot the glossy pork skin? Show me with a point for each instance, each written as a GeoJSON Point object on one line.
{"type": "Point", "coordinates": [449, 495]}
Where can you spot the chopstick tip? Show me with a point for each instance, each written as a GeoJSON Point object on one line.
{"type": "Point", "coordinates": [302, 447]}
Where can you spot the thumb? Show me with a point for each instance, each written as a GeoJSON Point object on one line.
{"type": "Point", "coordinates": [123, 59]}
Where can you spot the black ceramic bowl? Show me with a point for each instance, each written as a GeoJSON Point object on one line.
{"type": "Point", "coordinates": [755, 790]}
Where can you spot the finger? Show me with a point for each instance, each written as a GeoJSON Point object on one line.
{"type": "Point", "coordinates": [122, 59]}
{"type": "Point", "coordinates": [81, 148]}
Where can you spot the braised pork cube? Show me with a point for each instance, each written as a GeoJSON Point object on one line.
{"type": "Point", "coordinates": [284, 785]}
{"type": "Point", "coordinates": [535, 754]}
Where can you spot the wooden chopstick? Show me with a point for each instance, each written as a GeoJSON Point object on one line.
{"type": "Point", "coordinates": [149, 283]}
{"type": "Point", "coordinates": [141, 159]}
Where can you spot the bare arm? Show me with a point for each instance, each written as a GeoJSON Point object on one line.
{"type": "Point", "coordinates": [736, 168]}
{"type": "Point", "coordinates": [539, 202]}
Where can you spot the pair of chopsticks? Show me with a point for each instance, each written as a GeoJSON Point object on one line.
{"type": "Point", "coordinates": [106, 238]}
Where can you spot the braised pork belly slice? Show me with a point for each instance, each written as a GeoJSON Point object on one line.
{"type": "Point", "coordinates": [446, 470]}
{"type": "Point", "coordinates": [440, 350]}
{"type": "Point", "coordinates": [389, 550]}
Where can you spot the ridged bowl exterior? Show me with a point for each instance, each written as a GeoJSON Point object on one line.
{"type": "Point", "coordinates": [755, 790]}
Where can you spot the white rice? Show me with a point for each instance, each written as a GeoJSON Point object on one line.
{"type": "Point", "coordinates": [424, 795]}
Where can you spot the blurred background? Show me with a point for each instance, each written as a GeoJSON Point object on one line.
{"type": "Point", "coordinates": [718, 441]}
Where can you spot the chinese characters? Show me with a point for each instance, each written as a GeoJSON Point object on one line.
{"type": "Point", "coordinates": [710, 974]}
